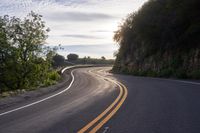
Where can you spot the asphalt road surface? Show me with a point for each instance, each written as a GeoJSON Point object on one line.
{"type": "Point", "coordinates": [96, 101]}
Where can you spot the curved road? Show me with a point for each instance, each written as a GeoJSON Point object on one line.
{"type": "Point", "coordinates": [96, 101]}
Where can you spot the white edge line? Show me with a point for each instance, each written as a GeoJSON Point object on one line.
{"type": "Point", "coordinates": [174, 80]}
{"type": "Point", "coordinates": [187, 82]}
{"type": "Point", "coordinates": [180, 81]}
{"type": "Point", "coordinates": [28, 105]}
{"type": "Point", "coordinates": [63, 70]}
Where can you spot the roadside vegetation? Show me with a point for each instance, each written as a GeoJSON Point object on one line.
{"type": "Point", "coordinates": [74, 58]}
{"type": "Point", "coordinates": [25, 63]}
{"type": "Point", "coordinates": [161, 39]}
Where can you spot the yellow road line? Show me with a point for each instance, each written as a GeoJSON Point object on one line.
{"type": "Point", "coordinates": [102, 114]}
{"type": "Point", "coordinates": [96, 128]}
{"type": "Point", "coordinates": [108, 117]}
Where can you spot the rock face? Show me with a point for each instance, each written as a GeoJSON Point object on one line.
{"type": "Point", "coordinates": [167, 65]}
{"type": "Point", "coordinates": [161, 39]}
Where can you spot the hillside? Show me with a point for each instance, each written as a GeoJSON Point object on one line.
{"type": "Point", "coordinates": [161, 39]}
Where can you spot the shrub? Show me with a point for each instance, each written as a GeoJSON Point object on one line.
{"type": "Point", "coordinates": [53, 75]}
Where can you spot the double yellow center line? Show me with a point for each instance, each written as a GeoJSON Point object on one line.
{"type": "Point", "coordinates": [107, 114]}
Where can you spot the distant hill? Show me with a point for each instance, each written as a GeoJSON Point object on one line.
{"type": "Point", "coordinates": [161, 39]}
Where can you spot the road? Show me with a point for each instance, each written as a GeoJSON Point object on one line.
{"type": "Point", "coordinates": [96, 101]}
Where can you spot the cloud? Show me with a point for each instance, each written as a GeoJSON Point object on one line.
{"type": "Point", "coordinates": [76, 21]}
{"type": "Point", "coordinates": [77, 16]}
{"type": "Point", "coordinates": [101, 31]}
{"type": "Point", "coordinates": [81, 36]}
{"type": "Point", "coordinates": [72, 2]}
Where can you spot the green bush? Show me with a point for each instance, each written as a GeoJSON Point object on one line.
{"type": "Point", "coordinates": [52, 78]}
{"type": "Point", "coordinates": [151, 73]}
{"type": "Point", "coordinates": [166, 72]}
{"type": "Point", "coordinates": [195, 74]}
{"type": "Point", "coordinates": [53, 75]}
{"type": "Point", "coordinates": [181, 73]}
{"type": "Point", "coordinates": [49, 82]}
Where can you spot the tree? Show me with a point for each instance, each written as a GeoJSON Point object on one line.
{"type": "Point", "coordinates": [21, 49]}
{"type": "Point", "coordinates": [5, 52]}
{"type": "Point", "coordinates": [162, 37]}
{"type": "Point", "coordinates": [58, 60]}
{"type": "Point", "coordinates": [103, 58]}
{"type": "Point", "coordinates": [72, 57]}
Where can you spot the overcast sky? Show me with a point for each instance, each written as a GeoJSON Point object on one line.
{"type": "Point", "coordinates": [85, 27]}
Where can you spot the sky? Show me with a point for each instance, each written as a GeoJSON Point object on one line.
{"type": "Point", "coordinates": [84, 27]}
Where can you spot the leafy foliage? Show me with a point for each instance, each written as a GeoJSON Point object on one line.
{"type": "Point", "coordinates": [161, 38]}
{"type": "Point", "coordinates": [23, 63]}
{"type": "Point", "coordinates": [72, 57]}
{"type": "Point", "coordinates": [58, 60]}
{"type": "Point", "coordinates": [89, 60]}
